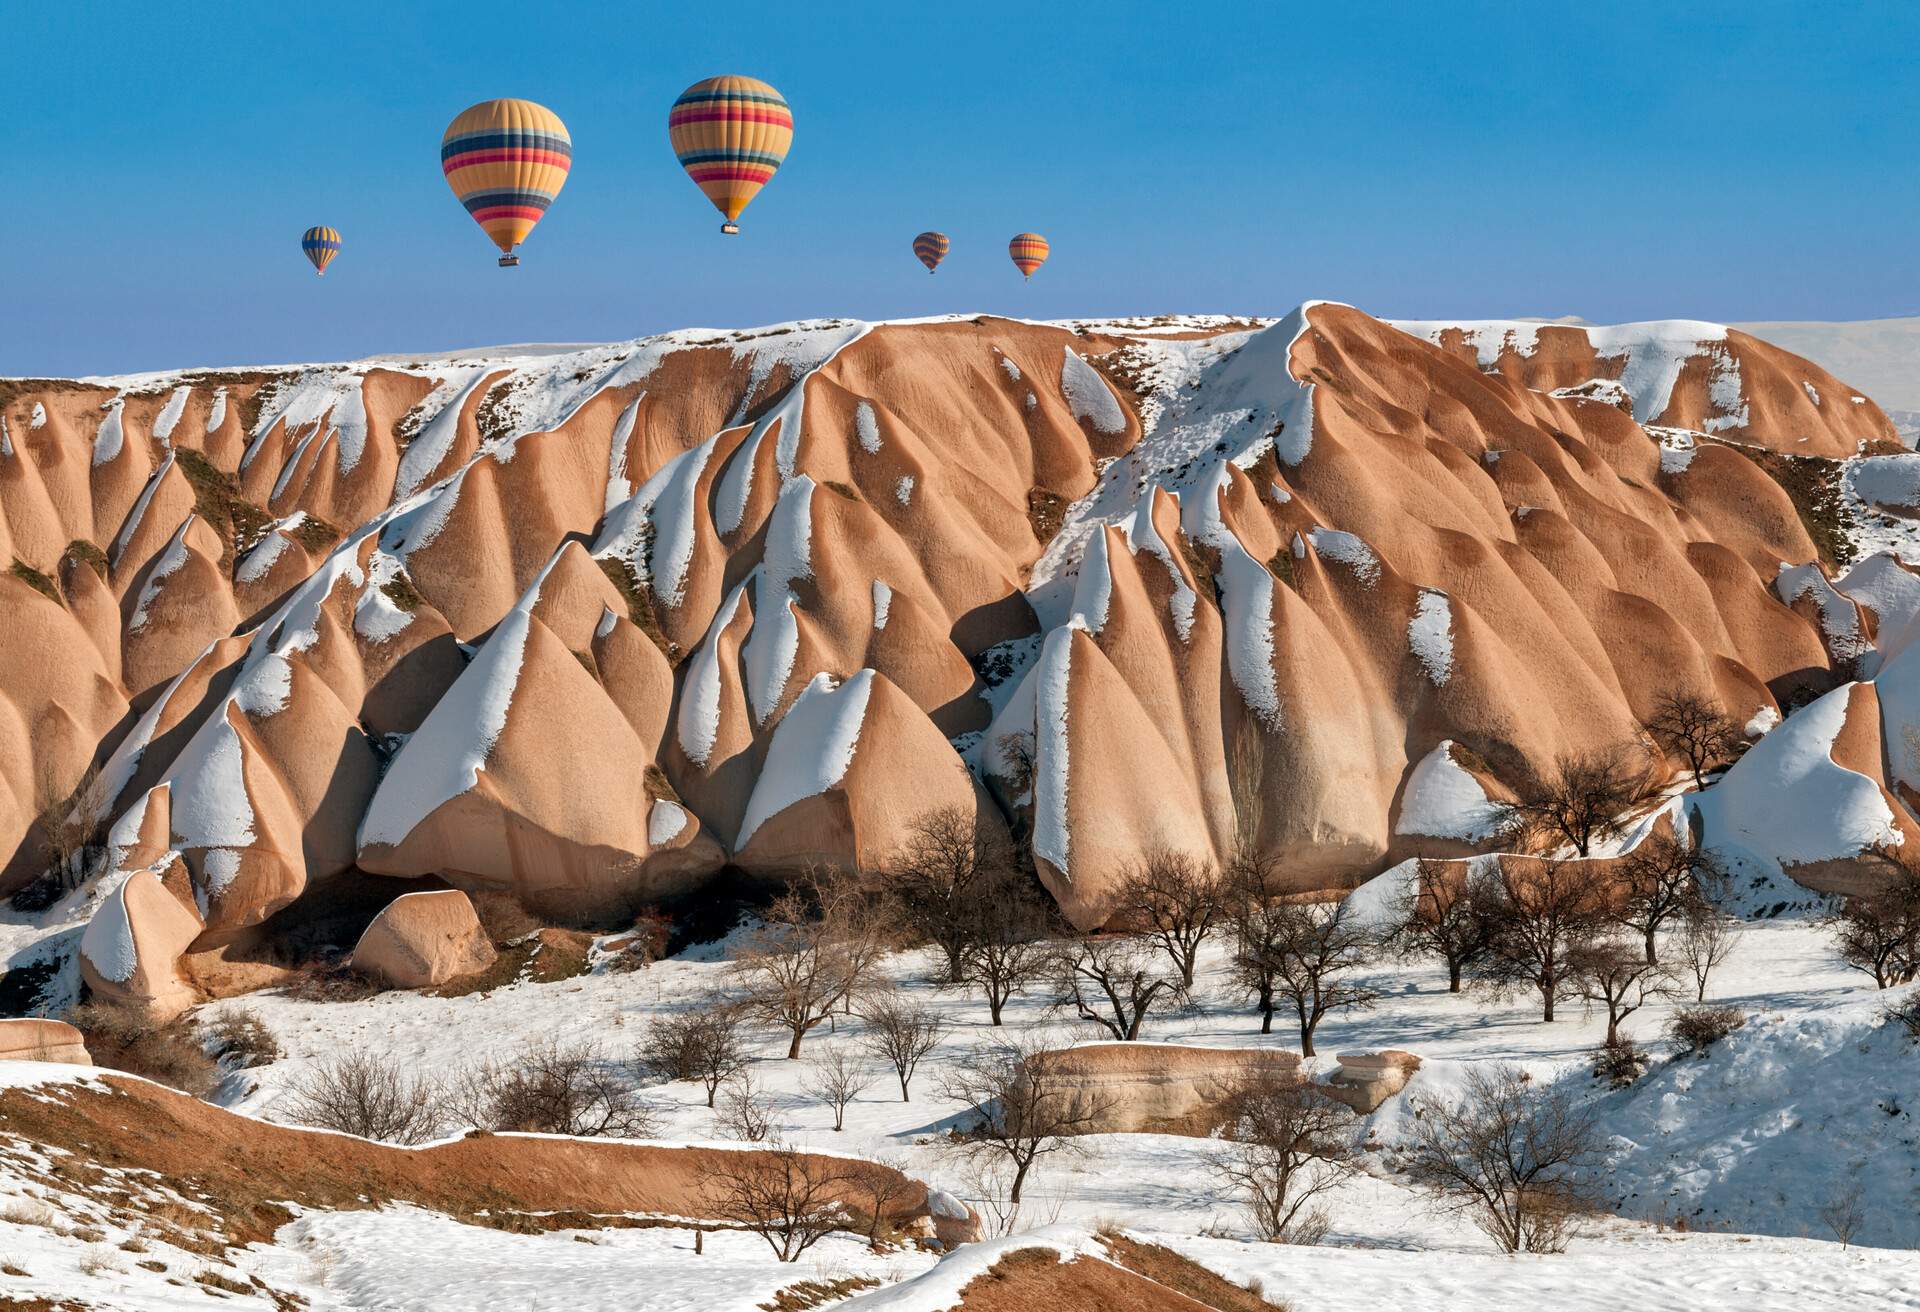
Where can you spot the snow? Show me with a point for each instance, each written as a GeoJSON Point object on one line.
{"type": "Point", "coordinates": [1051, 680]}
{"type": "Point", "coordinates": [866, 428]}
{"type": "Point", "coordinates": [1349, 550]}
{"type": "Point", "coordinates": [1839, 617]}
{"type": "Point", "coordinates": [618, 487]}
{"type": "Point", "coordinates": [138, 514]}
{"type": "Point", "coordinates": [802, 348]}
{"type": "Point", "coordinates": [445, 755]}
{"type": "Point", "coordinates": [665, 512]}
{"type": "Point", "coordinates": [107, 941]}
{"type": "Point", "coordinates": [1892, 481]}
{"type": "Point", "coordinates": [266, 553]}
{"type": "Point", "coordinates": [699, 722]}
{"type": "Point", "coordinates": [6, 438]}
{"type": "Point", "coordinates": [1430, 636]}
{"type": "Point", "coordinates": [903, 490]}
{"type": "Point", "coordinates": [39, 419]}
{"type": "Point", "coordinates": [323, 405]}
{"type": "Point", "coordinates": [665, 822]}
{"type": "Point", "coordinates": [434, 442]}
{"type": "Point", "coordinates": [1442, 800]}
{"type": "Point", "coordinates": [1088, 396]}
{"type": "Point", "coordinates": [217, 412]}
{"type": "Point", "coordinates": [1093, 588]}
{"type": "Point", "coordinates": [1724, 393]}
{"type": "Point", "coordinates": [882, 603]}
{"type": "Point", "coordinates": [1813, 393]}
{"type": "Point", "coordinates": [1678, 447]}
{"type": "Point", "coordinates": [1007, 364]}
{"type": "Point", "coordinates": [773, 644]}
{"type": "Point", "coordinates": [111, 435]}
{"type": "Point", "coordinates": [812, 747]}
{"type": "Point", "coordinates": [170, 561]}
{"type": "Point", "coordinates": [169, 416]}
{"type": "Point", "coordinates": [1490, 339]}
{"type": "Point", "coordinates": [1786, 801]}
{"type": "Point", "coordinates": [939, 1289]}
{"type": "Point", "coordinates": [1246, 611]}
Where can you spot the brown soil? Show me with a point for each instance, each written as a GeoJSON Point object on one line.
{"type": "Point", "coordinates": [1136, 1278]}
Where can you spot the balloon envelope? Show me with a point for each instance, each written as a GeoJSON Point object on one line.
{"type": "Point", "coordinates": [931, 247]}
{"type": "Point", "coordinates": [1029, 252]}
{"type": "Point", "coordinates": [320, 245]}
{"type": "Point", "coordinates": [506, 160]}
{"type": "Point", "coordinates": [730, 135]}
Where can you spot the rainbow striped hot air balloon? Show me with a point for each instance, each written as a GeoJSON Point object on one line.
{"type": "Point", "coordinates": [320, 245]}
{"type": "Point", "coordinates": [931, 247]}
{"type": "Point", "coordinates": [506, 160]}
{"type": "Point", "coordinates": [730, 134]}
{"type": "Point", "coordinates": [1029, 252]}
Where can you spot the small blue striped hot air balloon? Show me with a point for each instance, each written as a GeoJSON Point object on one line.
{"type": "Point", "coordinates": [932, 248]}
{"type": "Point", "coordinates": [320, 245]}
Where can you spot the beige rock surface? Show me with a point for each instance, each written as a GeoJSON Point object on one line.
{"type": "Point", "coordinates": [422, 940]}
{"type": "Point", "coordinates": [30, 1039]}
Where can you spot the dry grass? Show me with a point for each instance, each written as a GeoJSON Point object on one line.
{"type": "Point", "coordinates": [123, 1038]}
{"type": "Point", "coordinates": [34, 579]}
{"type": "Point", "coordinates": [809, 1294]}
{"type": "Point", "coordinates": [242, 1039]}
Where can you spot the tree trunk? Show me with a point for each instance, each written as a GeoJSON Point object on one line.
{"type": "Point", "coordinates": [1453, 977]}
{"type": "Point", "coordinates": [1652, 950]}
{"type": "Point", "coordinates": [1019, 1178]}
{"type": "Point", "coordinates": [1546, 997]}
{"type": "Point", "coordinates": [1266, 1020]}
{"type": "Point", "coordinates": [793, 1049]}
{"type": "Point", "coordinates": [1613, 1030]}
{"type": "Point", "coordinates": [1306, 1034]}
{"type": "Point", "coordinates": [903, 1090]}
{"type": "Point", "coordinates": [994, 1003]}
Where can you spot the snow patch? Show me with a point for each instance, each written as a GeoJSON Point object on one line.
{"type": "Point", "coordinates": [169, 416]}
{"type": "Point", "coordinates": [1443, 801]}
{"type": "Point", "coordinates": [1430, 636]}
{"type": "Point", "coordinates": [812, 747]}
{"type": "Point", "coordinates": [1088, 396]}
{"type": "Point", "coordinates": [866, 427]}
{"type": "Point", "coordinates": [882, 603]}
{"type": "Point", "coordinates": [112, 435]}
{"type": "Point", "coordinates": [1349, 550]}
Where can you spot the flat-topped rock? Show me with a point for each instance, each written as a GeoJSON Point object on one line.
{"type": "Point", "coordinates": [29, 1039]}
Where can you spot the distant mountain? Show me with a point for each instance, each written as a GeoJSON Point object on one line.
{"type": "Point", "coordinates": [1879, 356]}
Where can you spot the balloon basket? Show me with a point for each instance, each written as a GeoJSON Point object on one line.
{"type": "Point", "coordinates": [509, 261]}
{"type": "Point", "coordinates": [731, 229]}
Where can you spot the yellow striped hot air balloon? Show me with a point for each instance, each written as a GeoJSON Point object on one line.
{"type": "Point", "coordinates": [320, 245]}
{"type": "Point", "coordinates": [932, 248]}
{"type": "Point", "coordinates": [506, 160]}
{"type": "Point", "coordinates": [730, 134]}
{"type": "Point", "coordinates": [1029, 252]}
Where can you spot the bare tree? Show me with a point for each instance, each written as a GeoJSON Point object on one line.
{"type": "Point", "coordinates": [859, 920]}
{"type": "Point", "coordinates": [1439, 916]}
{"type": "Point", "coordinates": [1107, 980]}
{"type": "Point", "coordinates": [745, 1113]}
{"type": "Point", "coordinates": [72, 820]}
{"type": "Point", "coordinates": [368, 1096]}
{"type": "Point", "coordinates": [902, 1033]}
{"type": "Point", "coordinates": [1845, 1211]}
{"type": "Point", "coordinates": [703, 1043]}
{"type": "Point", "coordinates": [1708, 937]}
{"type": "Point", "coordinates": [1319, 945]}
{"type": "Point", "coordinates": [1006, 951]}
{"type": "Point", "coordinates": [789, 1198]}
{"type": "Point", "coordinates": [1585, 801]}
{"type": "Point", "coordinates": [1287, 1144]}
{"type": "Point", "coordinates": [794, 971]}
{"type": "Point", "coordinates": [836, 1078]}
{"type": "Point", "coordinates": [1024, 1106]}
{"type": "Point", "coordinates": [1175, 899]}
{"type": "Point", "coordinates": [1254, 917]}
{"type": "Point", "coordinates": [937, 878]}
{"type": "Point", "coordinates": [1879, 933]}
{"type": "Point", "coordinates": [1541, 911]}
{"type": "Point", "coordinates": [554, 1088]}
{"type": "Point", "coordinates": [1695, 729]}
{"type": "Point", "coordinates": [1512, 1154]}
{"type": "Point", "coordinates": [883, 1187]}
{"type": "Point", "coordinates": [1661, 879]}
{"type": "Point", "coordinates": [1618, 977]}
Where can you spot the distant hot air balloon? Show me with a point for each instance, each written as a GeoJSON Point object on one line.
{"type": "Point", "coordinates": [730, 134]}
{"type": "Point", "coordinates": [506, 160]}
{"type": "Point", "coordinates": [1029, 252]}
{"type": "Point", "coordinates": [931, 247]}
{"type": "Point", "coordinates": [320, 246]}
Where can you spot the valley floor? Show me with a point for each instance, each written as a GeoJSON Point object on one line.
{"type": "Point", "coordinates": [1743, 1147]}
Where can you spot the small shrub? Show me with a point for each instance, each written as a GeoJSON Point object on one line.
{"type": "Point", "coordinates": [333, 983]}
{"type": "Point", "coordinates": [124, 1038]}
{"type": "Point", "coordinates": [216, 1280]}
{"type": "Point", "coordinates": [504, 919]}
{"type": "Point", "coordinates": [34, 579]}
{"type": "Point", "coordinates": [97, 1261]}
{"type": "Point", "coordinates": [1906, 1014]}
{"type": "Point", "coordinates": [242, 1040]}
{"type": "Point", "coordinates": [1619, 1063]}
{"type": "Point", "coordinates": [1698, 1028]}
{"type": "Point", "coordinates": [368, 1097]}
{"type": "Point", "coordinates": [551, 1088]}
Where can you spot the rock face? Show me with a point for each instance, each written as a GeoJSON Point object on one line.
{"type": "Point", "coordinates": [42, 1040]}
{"type": "Point", "coordinates": [588, 627]}
{"type": "Point", "coordinates": [130, 951]}
{"type": "Point", "coordinates": [1364, 1080]}
{"type": "Point", "coordinates": [1163, 1088]}
{"type": "Point", "coordinates": [421, 940]}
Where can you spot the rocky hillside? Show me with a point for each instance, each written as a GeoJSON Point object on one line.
{"type": "Point", "coordinates": [591, 626]}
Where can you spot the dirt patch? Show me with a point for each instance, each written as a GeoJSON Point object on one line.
{"type": "Point", "coordinates": [34, 579]}
{"type": "Point", "coordinates": [82, 552]}
{"type": "Point", "coordinates": [640, 604]}
{"type": "Point", "coordinates": [217, 500]}
{"type": "Point", "coordinates": [1046, 511]}
{"type": "Point", "coordinates": [1136, 1278]}
{"type": "Point", "coordinates": [546, 956]}
{"type": "Point", "coordinates": [1813, 484]}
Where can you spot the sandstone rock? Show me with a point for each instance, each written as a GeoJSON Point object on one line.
{"type": "Point", "coordinates": [130, 950]}
{"type": "Point", "coordinates": [422, 940]}
{"type": "Point", "coordinates": [1164, 1088]}
{"type": "Point", "coordinates": [1364, 1080]}
{"type": "Point", "coordinates": [42, 1040]}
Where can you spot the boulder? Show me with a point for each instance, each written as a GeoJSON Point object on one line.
{"type": "Point", "coordinates": [130, 950]}
{"type": "Point", "coordinates": [424, 939]}
{"type": "Point", "coordinates": [42, 1040]}
{"type": "Point", "coordinates": [1364, 1080]}
{"type": "Point", "coordinates": [1163, 1088]}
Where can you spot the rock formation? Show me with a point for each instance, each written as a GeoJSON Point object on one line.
{"type": "Point", "coordinates": [420, 940]}
{"type": "Point", "coordinates": [588, 627]}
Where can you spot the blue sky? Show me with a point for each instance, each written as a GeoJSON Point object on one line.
{"type": "Point", "coordinates": [1615, 160]}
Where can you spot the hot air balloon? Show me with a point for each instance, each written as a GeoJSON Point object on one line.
{"type": "Point", "coordinates": [931, 247]}
{"type": "Point", "coordinates": [1029, 252]}
{"type": "Point", "coordinates": [320, 245]}
{"type": "Point", "coordinates": [730, 134]}
{"type": "Point", "coordinates": [506, 160]}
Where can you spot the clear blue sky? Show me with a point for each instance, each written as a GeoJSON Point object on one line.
{"type": "Point", "coordinates": [1615, 160]}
